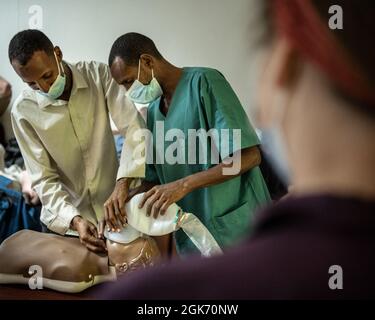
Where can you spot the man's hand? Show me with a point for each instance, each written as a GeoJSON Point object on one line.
{"type": "Point", "coordinates": [88, 235]}
{"type": "Point", "coordinates": [159, 198]}
{"type": "Point", "coordinates": [29, 194]}
{"type": "Point", "coordinates": [114, 207]}
{"type": "Point", "coordinates": [31, 198]}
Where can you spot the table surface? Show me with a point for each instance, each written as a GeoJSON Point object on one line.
{"type": "Point", "coordinates": [22, 292]}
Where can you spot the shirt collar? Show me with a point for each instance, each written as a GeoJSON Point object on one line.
{"type": "Point", "coordinates": [79, 82]}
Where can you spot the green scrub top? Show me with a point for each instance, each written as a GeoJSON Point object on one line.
{"type": "Point", "coordinates": [203, 99]}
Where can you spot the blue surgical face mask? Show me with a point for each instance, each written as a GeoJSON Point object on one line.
{"type": "Point", "coordinates": [275, 152]}
{"type": "Point", "coordinates": [58, 86]}
{"type": "Point", "coordinates": [273, 141]}
{"type": "Point", "coordinates": [144, 94]}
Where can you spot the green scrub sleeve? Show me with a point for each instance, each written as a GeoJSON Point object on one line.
{"type": "Point", "coordinates": [224, 111]}
{"type": "Point", "coordinates": [151, 175]}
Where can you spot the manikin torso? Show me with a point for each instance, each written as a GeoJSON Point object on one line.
{"type": "Point", "coordinates": [69, 266]}
{"type": "Point", "coordinates": [66, 264]}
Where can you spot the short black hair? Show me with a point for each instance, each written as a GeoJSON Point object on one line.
{"type": "Point", "coordinates": [130, 46]}
{"type": "Point", "coordinates": [25, 43]}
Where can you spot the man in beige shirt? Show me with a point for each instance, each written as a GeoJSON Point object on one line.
{"type": "Point", "coordinates": [63, 130]}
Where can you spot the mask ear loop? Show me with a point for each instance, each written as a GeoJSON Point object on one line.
{"type": "Point", "coordinates": [139, 68]}
{"type": "Point", "coordinates": [59, 66]}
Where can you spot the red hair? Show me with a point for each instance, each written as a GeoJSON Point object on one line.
{"type": "Point", "coordinates": [302, 26]}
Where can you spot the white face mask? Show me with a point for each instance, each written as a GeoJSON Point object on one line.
{"type": "Point", "coordinates": [144, 94]}
{"type": "Point", "coordinates": [58, 86]}
{"type": "Point", "coordinates": [174, 218]}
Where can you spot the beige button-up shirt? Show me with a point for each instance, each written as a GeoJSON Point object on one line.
{"type": "Point", "coordinates": [68, 147]}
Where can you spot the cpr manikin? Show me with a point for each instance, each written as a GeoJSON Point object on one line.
{"type": "Point", "coordinates": [68, 266]}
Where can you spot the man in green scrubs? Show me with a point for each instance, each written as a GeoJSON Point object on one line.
{"type": "Point", "coordinates": [186, 99]}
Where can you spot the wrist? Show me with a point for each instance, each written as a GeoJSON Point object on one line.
{"type": "Point", "coordinates": [75, 222]}
{"type": "Point", "coordinates": [123, 181]}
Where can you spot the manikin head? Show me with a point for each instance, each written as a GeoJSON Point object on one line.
{"type": "Point", "coordinates": [126, 257]}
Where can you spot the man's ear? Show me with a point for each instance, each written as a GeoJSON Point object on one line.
{"type": "Point", "coordinates": [147, 60]}
{"type": "Point", "coordinates": [288, 64]}
{"type": "Point", "coordinates": [59, 53]}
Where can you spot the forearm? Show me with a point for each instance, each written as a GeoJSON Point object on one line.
{"type": "Point", "coordinates": [249, 158]}
{"type": "Point", "coordinates": [58, 210]}
{"type": "Point", "coordinates": [144, 187]}
{"type": "Point", "coordinates": [158, 199]}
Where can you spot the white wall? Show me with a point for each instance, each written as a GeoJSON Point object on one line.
{"type": "Point", "coordinates": [212, 33]}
